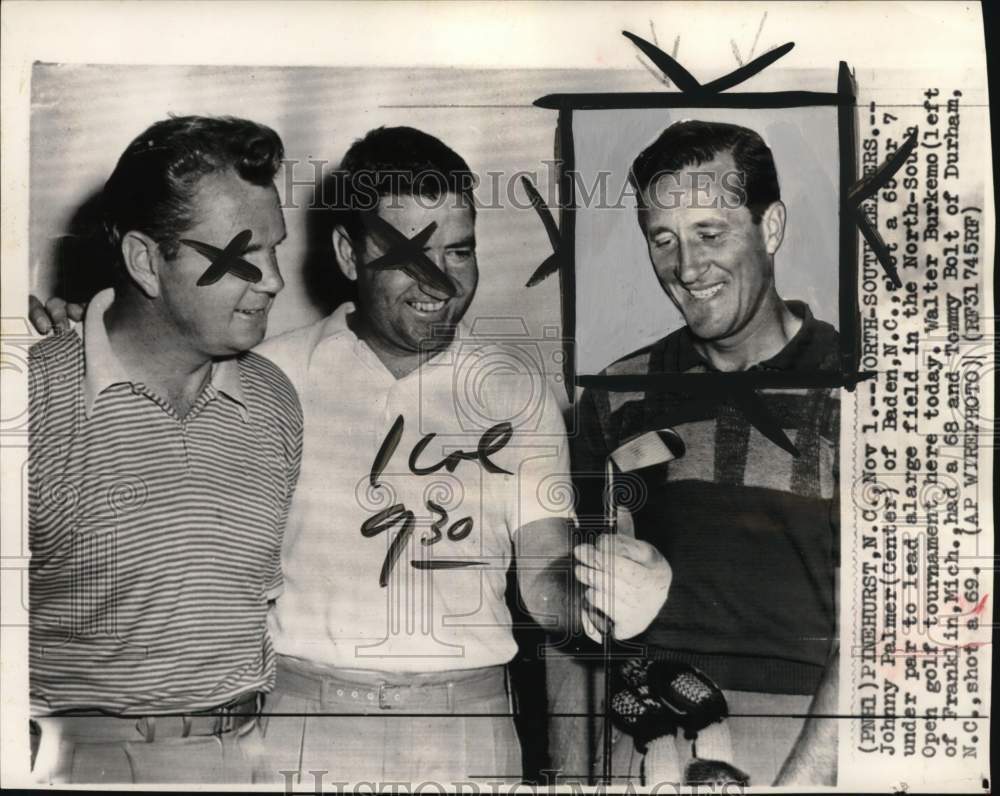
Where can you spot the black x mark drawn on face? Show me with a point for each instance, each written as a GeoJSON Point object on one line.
{"type": "Point", "coordinates": [407, 254]}
{"type": "Point", "coordinates": [228, 260]}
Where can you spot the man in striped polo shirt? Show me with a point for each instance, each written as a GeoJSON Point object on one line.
{"type": "Point", "coordinates": [749, 529]}
{"type": "Point", "coordinates": [162, 463]}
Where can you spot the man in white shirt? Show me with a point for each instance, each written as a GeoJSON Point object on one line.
{"type": "Point", "coordinates": [414, 499]}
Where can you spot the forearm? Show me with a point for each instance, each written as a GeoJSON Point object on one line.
{"type": "Point", "coordinates": [545, 576]}
{"type": "Point", "coordinates": [547, 595]}
{"type": "Point", "coordinates": [813, 759]}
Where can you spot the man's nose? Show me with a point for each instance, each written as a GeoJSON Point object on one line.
{"type": "Point", "coordinates": [271, 280]}
{"type": "Point", "coordinates": [691, 262]}
{"type": "Point", "coordinates": [440, 262]}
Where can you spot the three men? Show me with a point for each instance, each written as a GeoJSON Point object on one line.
{"type": "Point", "coordinates": [408, 514]}
{"type": "Point", "coordinates": [162, 462]}
{"type": "Point", "coordinates": [415, 498]}
{"type": "Point", "coordinates": [749, 529]}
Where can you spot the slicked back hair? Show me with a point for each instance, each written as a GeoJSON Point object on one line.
{"type": "Point", "coordinates": [152, 188]}
{"type": "Point", "coordinates": [397, 161]}
{"type": "Point", "coordinates": [691, 143]}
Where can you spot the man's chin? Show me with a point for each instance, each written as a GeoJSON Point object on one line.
{"type": "Point", "coordinates": [237, 345]}
{"type": "Point", "coordinates": [708, 332]}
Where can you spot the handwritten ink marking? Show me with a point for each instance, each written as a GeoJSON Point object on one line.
{"type": "Point", "coordinates": [443, 564]}
{"type": "Point", "coordinates": [389, 445]}
{"type": "Point", "coordinates": [492, 441]}
{"type": "Point", "coordinates": [407, 254]}
{"type": "Point", "coordinates": [228, 260]}
{"type": "Point", "coordinates": [382, 521]}
{"type": "Point", "coordinates": [660, 77]}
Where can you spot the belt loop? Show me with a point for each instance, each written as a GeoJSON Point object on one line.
{"type": "Point", "coordinates": [451, 696]}
{"type": "Point", "coordinates": [383, 697]}
{"type": "Point", "coordinates": [149, 728]}
{"type": "Point", "coordinates": [224, 722]}
{"type": "Point", "coordinates": [185, 726]}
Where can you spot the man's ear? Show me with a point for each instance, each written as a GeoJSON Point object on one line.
{"type": "Point", "coordinates": [772, 226]}
{"type": "Point", "coordinates": [343, 249]}
{"type": "Point", "coordinates": [142, 258]}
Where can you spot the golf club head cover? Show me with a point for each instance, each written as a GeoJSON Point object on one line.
{"type": "Point", "coordinates": [690, 693]}
{"type": "Point", "coordinates": [655, 698]}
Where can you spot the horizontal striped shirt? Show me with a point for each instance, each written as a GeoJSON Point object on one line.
{"type": "Point", "coordinates": [155, 540]}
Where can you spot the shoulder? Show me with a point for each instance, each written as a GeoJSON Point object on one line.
{"type": "Point", "coordinates": [55, 375]}
{"type": "Point", "coordinates": [504, 379]}
{"type": "Point", "coordinates": [56, 360]}
{"type": "Point", "coordinates": [654, 357]}
{"type": "Point", "coordinates": [484, 383]}
{"type": "Point", "coordinates": [825, 343]}
{"type": "Point", "coordinates": [290, 350]}
{"type": "Point", "coordinates": [819, 349]}
{"type": "Point", "coordinates": [62, 348]}
{"type": "Point", "coordinates": [267, 383]}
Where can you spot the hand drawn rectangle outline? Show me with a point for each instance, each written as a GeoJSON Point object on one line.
{"type": "Point", "coordinates": [844, 99]}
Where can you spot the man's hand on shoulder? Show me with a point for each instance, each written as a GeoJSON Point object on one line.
{"type": "Point", "coordinates": [627, 581]}
{"type": "Point", "coordinates": [54, 315]}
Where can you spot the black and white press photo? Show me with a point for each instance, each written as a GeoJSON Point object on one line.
{"type": "Point", "coordinates": [488, 398]}
{"type": "Point", "coordinates": [622, 302]}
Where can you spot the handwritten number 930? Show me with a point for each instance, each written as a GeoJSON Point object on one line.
{"type": "Point", "coordinates": [492, 440]}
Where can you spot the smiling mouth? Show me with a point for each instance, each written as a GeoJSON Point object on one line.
{"type": "Point", "coordinates": [253, 313]}
{"type": "Point", "coordinates": [427, 306]}
{"type": "Point", "coordinates": [704, 294]}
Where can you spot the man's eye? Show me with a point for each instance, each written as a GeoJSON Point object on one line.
{"type": "Point", "coordinates": [709, 235]}
{"type": "Point", "coordinates": [461, 254]}
{"type": "Point", "coordinates": [664, 241]}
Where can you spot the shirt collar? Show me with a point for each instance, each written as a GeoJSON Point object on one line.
{"type": "Point", "coordinates": [336, 326]}
{"type": "Point", "coordinates": [336, 323]}
{"type": "Point", "coordinates": [796, 355]}
{"type": "Point", "coordinates": [103, 369]}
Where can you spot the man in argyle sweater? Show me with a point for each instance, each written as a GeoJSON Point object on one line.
{"type": "Point", "coordinates": [749, 529]}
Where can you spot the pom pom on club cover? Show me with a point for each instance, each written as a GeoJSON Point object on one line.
{"type": "Point", "coordinates": [653, 699]}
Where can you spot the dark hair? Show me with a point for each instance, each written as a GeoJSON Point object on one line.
{"type": "Point", "coordinates": [152, 187]}
{"type": "Point", "coordinates": [692, 143]}
{"type": "Point", "coordinates": [396, 161]}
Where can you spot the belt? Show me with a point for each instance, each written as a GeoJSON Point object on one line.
{"type": "Point", "coordinates": [97, 726]}
{"type": "Point", "coordinates": [380, 691]}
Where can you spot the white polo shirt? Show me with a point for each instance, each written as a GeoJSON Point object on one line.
{"type": "Point", "coordinates": [463, 495]}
